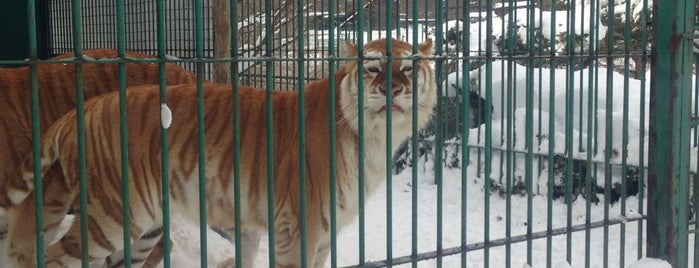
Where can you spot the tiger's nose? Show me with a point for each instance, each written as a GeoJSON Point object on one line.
{"type": "Point", "coordinates": [395, 90]}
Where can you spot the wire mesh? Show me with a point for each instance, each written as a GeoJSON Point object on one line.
{"type": "Point", "coordinates": [528, 94]}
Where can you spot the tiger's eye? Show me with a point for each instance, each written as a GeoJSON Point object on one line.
{"type": "Point", "coordinates": [407, 69]}
{"type": "Point", "coordinates": [373, 69]}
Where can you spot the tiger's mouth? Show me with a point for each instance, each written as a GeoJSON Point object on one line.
{"type": "Point", "coordinates": [395, 108]}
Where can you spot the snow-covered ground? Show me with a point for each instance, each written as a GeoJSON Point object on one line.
{"type": "Point", "coordinates": [185, 236]}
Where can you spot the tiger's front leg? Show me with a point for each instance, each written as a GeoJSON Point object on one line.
{"type": "Point", "coordinates": [288, 241]}
{"type": "Point", "coordinates": [250, 246]}
{"type": "Point", "coordinates": [322, 253]}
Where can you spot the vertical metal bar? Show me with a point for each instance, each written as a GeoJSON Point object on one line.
{"type": "Point", "coordinates": [123, 132]}
{"type": "Point", "coordinates": [36, 133]}
{"type": "Point", "coordinates": [439, 135]}
{"type": "Point", "coordinates": [625, 134]}
{"type": "Point", "coordinates": [509, 117]}
{"type": "Point", "coordinates": [301, 60]}
{"type": "Point", "coordinates": [164, 151]}
{"type": "Point", "coordinates": [641, 157]}
{"type": "Point", "coordinates": [608, 131]}
{"type": "Point", "coordinates": [80, 101]}
{"type": "Point", "coordinates": [488, 130]}
{"type": "Point", "coordinates": [360, 130]}
{"type": "Point", "coordinates": [333, 148]}
{"type": "Point", "coordinates": [540, 94]}
{"type": "Point", "coordinates": [269, 83]}
{"type": "Point", "coordinates": [695, 203]}
{"type": "Point", "coordinates": [669, 131]}
{"type": "Point", "coordinates": [465, 131]}
{"type": "Point", "coordinates": [529, 132]}
{"type": "Point", "coordinates": [389, 151]}
{"type": "Point", "coordinates": [235, 87]}
{"type": "Point", "coordinates": [552, 139]}
{"type": "Point", "coordinates": [201, 160]}
{"type": "Point", "coordinates": [414, 145]}
{"type": "Point", "coordinates": [587, 179]}
{"type": "Point", "coordinates": [569, 116]}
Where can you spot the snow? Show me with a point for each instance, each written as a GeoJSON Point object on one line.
{"type": "Point", "coordinates": [165, 116]}
{"type": "Point", "coordinates": [650, 263]}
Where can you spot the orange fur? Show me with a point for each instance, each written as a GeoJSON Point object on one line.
{"type": "Point", "coordinates": [104, 174]}
{"type": "Point", "coordinates": [56, 84]}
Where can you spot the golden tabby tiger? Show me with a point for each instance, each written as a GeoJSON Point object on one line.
{"type": "Point", "coordinates": [104, 174]}
{"type": "Point", "coordinates": [56, 83]}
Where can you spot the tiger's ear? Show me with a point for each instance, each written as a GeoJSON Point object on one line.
{"type": "Point", "coordinates": [347, 49]}
{"type": "Point", "coordinates": [426, 47]}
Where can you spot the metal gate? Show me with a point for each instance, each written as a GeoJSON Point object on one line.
{"type": "Point", "coordinates": [564, 130]}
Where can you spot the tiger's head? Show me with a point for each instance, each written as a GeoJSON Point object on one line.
{"type": "Point", "coordinates": [375, 73]}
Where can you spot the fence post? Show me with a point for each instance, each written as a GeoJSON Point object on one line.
{"type": "Point", "coordinates": [668, 163]}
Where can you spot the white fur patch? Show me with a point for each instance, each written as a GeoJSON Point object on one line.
{"type": "Point", "coordinates": [373, 54]}
{"type": "Point", "coordinates": [16, 196]}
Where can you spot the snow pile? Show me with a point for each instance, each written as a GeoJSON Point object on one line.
{"type": "Point", "coordinates": [554, 86]}
{"type": "Point", "coordinates": [650, 263]}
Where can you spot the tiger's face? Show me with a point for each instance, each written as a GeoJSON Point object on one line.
{"type": "Point", "coordinates": [394, 78]}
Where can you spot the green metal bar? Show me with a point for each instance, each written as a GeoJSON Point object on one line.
{"type": "Point", "coordinates": [529, 131]}
{"type": "Point", "coordinates": [669, 131]}
{"type": "Point", "coordinates": [414, 146]}
{"type": "Point", "coordinates": [360, 130]}
{"type": "Point", "coordinates": [389, 151]}
{"type": "Point", "coordinates": [302, 129]}
{"type": "Point", "coordinates": [123, 132]}
{"type": "Point", "coordinates": [569, 116]}
{"type": "Point", "coordinates": [164, 150]}
{"type": "Point", "coordinates": [333, 148]}
{"type": "Point", "coordinates": [695, 203]}
{"type": "Point", "coordinates": [465, 131]}
{"type": "Point", "coordinates": [625, 134]}
{"type": "Point", "coordinates": [235, 87]}
{"type": "Point", "coordinates": [592, 50]}
{"type": "Point", "coordinates": [608, 131]}
{"type": "Point", "coordinates": [439, 135]}
{"type": "Point", "coordinates": [488, 131]}
{"type": "Point", "coordinates": [552, 140]}
{"type": "Point", "coordinates": [540, 62]}
{"type": "Point", "coordinates": [201, 160]}
{"type": "Point", "coordinates": [269, 71]}
{"type": "Point", "coordinates": [641, 157]}
{"type": "Point", "coordinates": [80, 101]}
{"type": "Point", "coordinates": [509, 115]}
{"type": "Point", "coordinates": [36, 134]}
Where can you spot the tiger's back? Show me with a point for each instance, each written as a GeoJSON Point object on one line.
{"type": "Point", "coordinates": [56, 88]}
{"type": "Point", "coordinates": [56, 84]}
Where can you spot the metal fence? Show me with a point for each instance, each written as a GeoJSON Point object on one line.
{"type": "Point", "coordinates": [554, 138]}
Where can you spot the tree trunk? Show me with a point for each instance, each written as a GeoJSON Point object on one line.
{"type": "Point", "coordinates": [222, 40]}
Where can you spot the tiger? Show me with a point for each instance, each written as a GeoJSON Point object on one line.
{"type": "Point", "coordinates": [56, 84]}
{"type": "Point", "coordinates": [58, 148]}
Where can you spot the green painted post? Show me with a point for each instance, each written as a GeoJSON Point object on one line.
{"type": "Point", "coordinates": [123, 136]}
{"type": "Point", "coordinates": [269, 79]}
{"type": "Point", "coordinates": [669, 136]}
{"type": "Point", "coordinates": [36, 132]}
{"type": "Point", "coordinates": [164, 151]}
